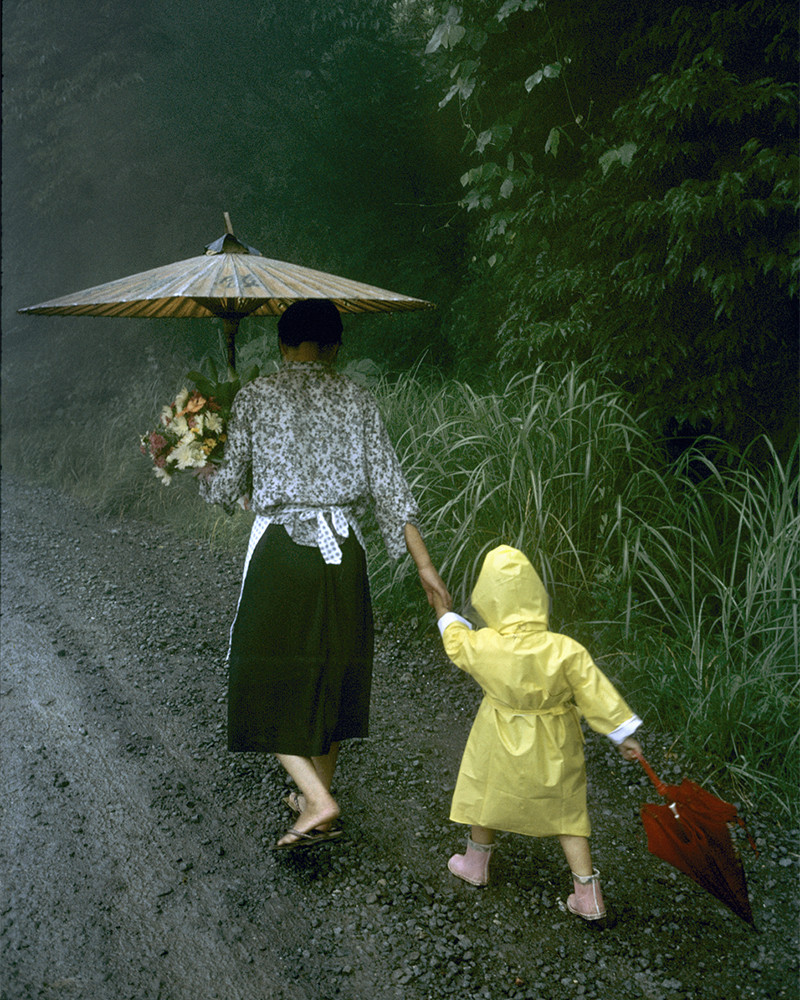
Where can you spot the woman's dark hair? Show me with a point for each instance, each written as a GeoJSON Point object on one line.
{"type": "Point", "coordinates": [316, 320]}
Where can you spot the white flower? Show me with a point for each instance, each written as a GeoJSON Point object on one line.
{"type": "Point", "coordinates": [163, 475]}
{"type": "Point", "coordinates": [180, 426]}
{"type": "Point", "coordinates": [182, 399]}
{"type": "Point", "coordinates": [213, 423]}
{"type": "Point", "coordinates": [189, 454]}
{"type": "Point", "coordinates": [166, 415]}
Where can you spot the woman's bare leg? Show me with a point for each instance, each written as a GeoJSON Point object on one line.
{"type": "Point", "coordinates": [319, 808]}
{"type": "Point", "coordinates": [324, 766]}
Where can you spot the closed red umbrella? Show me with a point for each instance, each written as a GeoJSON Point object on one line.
{"type": "Point", "coordinates": [692, 834]}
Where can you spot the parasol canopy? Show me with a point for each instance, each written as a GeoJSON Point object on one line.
{"type": "Point", "coordinates": [691, 834]}
{"type": "Point", "coordinates": [229, 281]}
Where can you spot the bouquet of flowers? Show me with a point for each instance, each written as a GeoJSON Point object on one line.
{"type": "Point", "coordinates": [192, 429]}
{"type": "Point", "coordinates": [190, 435]}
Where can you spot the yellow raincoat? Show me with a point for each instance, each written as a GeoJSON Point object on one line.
{"type": "Point", "coordinates": [523, 766]}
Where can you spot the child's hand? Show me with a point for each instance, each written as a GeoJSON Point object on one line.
{"type": "Point", "coordinates": [630, 748]}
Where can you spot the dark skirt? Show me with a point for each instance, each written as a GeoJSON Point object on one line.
{"type": "Point", "coordinates": [301, 649]}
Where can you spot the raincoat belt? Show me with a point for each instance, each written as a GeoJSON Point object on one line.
{"type": "Point", "coordinates": [561, 709]}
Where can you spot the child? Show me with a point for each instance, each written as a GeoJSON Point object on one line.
{"type": "Point", "coordinates": [523, 767]}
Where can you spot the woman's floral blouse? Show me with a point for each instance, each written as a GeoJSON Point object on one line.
{"type": "Point", "coordinates": [309, 437]}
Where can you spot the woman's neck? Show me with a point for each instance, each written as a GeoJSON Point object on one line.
{"type": "Point", "coordinates": [310, 351]}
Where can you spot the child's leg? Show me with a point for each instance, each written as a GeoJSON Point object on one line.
{"type": "Point", "coordinates": [473, 865]}
{"type": "Point", "coordinates": [482, 835]}
{"type": "Point", "coordinates": [587, 899]}
{"type": "Point", "coordinates": [576, 851]}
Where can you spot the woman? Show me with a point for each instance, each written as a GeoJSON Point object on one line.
{"type": "Point", "coordinates": [309, 448]}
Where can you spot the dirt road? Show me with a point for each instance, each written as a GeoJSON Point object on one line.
{"type": "Point", "coordinates": [134, 854]}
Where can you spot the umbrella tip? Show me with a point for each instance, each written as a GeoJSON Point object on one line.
{"type": "Point", "coordinates": [228, 223]}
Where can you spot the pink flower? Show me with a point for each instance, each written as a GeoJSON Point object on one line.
{"type": "Point", "coordinates": [157, 443]}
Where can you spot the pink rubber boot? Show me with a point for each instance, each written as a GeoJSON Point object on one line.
{"type": "Point", "coordinates": [472, 866]}
{"type": "Point", "coordinates": [587, 900]}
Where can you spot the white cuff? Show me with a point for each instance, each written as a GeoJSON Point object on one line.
{"type": "Point", "coordinates": [625, 730]}
{"type": "Point", "coordinates": [448, 618]}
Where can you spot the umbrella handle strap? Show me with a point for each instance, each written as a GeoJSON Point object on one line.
{"type": "Point", "coordinates": [747, 834]}
{"type": "Point", "coordinates": [661, 788]}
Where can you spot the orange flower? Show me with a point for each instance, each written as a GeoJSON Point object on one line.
{"type": "Point", "coordinates": [194, 403]}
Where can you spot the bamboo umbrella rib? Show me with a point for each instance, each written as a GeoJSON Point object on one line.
{"type": "Point", "coordinates": [223, 285]}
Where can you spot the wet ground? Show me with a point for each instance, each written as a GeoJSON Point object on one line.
{"type": "Point", "coordinates": [134, 854]}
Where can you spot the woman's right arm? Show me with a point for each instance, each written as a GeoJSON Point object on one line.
{"type": "Point", "coordinates": [231, 479]}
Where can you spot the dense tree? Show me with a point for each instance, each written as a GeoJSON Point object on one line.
{"type": "Point", "coordinates": [634, 185]}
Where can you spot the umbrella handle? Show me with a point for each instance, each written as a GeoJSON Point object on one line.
{"type": "Point", "coordinates": [661, 788]}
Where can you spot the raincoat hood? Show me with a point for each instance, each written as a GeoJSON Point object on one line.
{"type": "Point", "coordinates": [509, 594]}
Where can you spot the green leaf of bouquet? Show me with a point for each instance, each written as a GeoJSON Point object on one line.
{"type": "Point", "coordinates": [203, 385]}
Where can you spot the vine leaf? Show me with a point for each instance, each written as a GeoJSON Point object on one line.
{"type": "Point", "coordinates": [622, 154]}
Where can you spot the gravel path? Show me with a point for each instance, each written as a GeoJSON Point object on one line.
{"type": "Point", "coordinates": [134, 853]}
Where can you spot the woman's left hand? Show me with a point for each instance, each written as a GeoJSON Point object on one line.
{"type": "Point", "coordinates": [433, 584]}
{"type": "Point", "coordinates": [206, 472]}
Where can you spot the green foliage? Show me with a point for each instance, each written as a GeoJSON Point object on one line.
{"type": "Point", "coordinates": [636, 190]}
{"type": "Point", "coordinates": [221, 386]}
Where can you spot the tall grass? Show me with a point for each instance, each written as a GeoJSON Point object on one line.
{"type": "Point", "coordinates": [540, 465]}
{"type": "Point", "coordinates": [713, 641]}
{"type": "Point", "coordinates": [682, 578]}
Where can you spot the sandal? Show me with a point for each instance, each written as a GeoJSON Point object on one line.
{"type": "Point", "coordinates": [310, 839]}
{"type": "Point", "coordinates": [292, 800]}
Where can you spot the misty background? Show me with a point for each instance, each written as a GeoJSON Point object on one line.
{"type": "Point", "coordinates": [130, 128]}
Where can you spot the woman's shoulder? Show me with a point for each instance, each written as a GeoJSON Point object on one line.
{"type": "Point", "coordinates": [254, 388]}
{"type": "Point", "coordinates": [352, 390]}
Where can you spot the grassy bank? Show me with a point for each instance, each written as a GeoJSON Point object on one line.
{"type": "Point", "coordinates": [680, 577]}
